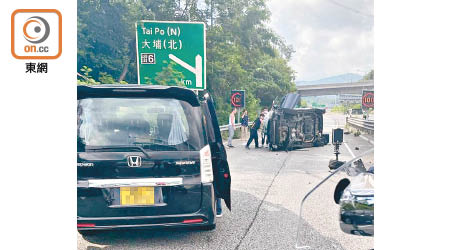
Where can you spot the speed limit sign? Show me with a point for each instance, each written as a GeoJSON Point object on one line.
{"type": "Point", "coordinates": [237, 98]}
{"type": "Point", "coordinates": [367, 99]}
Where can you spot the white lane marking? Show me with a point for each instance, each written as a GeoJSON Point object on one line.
{"type": "Point", "coordinates": [349, 150]}
{"type": "Point", "coordinates": [365, 138]}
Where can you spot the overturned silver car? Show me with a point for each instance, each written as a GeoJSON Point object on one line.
{"type": "Point", "coordinates": [290, 127]}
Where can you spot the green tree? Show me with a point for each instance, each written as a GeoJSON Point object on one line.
{"type": "Point", "coordinates": [242, 51]}
{"type": "Point", "coordinates": [85, 77]}
{"type": "Point", "coordinates": [369, 76]}
{"type": "Point", "coordinates": [106, 37]}
{"type": "Point", "coordinates": [303, 104]}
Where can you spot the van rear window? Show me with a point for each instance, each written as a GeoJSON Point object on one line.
{"type": "Point", "coordinates": [157, 124]}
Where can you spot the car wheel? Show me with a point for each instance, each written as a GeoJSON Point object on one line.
{"type": "Point", "coordinates": [333, 164]}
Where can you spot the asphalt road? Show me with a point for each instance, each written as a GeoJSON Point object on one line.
{"type": "Point", "coordinates": [267, 188]}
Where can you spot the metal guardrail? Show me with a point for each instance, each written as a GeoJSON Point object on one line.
{"type": "Point", "coordinates": [367, 125]}
{"type": "Point", "coordinates": [358, 123]}
{"type": "Point", "coordinates": [237, 125]}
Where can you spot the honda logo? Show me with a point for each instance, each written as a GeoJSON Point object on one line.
{"type": "Point", "coordinates": [134, 161]}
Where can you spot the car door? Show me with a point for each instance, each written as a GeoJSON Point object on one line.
{"type": "Point", "coordinates": [222, 176]}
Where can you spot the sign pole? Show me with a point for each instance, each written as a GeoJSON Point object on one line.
{"type": "Point", "coordinates": [239, 114]}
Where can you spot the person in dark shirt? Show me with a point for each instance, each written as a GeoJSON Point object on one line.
{"type": "Point", "coordinates": [244, 125]}
{"type": "Point", "coordinates": [254, 131]}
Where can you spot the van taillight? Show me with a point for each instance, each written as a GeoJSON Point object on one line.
{"type": "Point", "coordinates": [193, 221]}
{"type": "Point", "coordinates": [206, 170]}
{"type": "Point", "coordinates": [85, 225]}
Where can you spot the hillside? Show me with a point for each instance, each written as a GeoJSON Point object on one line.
{"type": "Point", "coordinates": [330, 100]}
{"type": "Point", "coordinates": [349, 77]}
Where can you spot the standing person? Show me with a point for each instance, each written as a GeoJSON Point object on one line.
{"type": "Point", "coordinates": [231, 127]}
{"type": "Point", "coordinates": [264, 126]}
{"type": "Point", "coordinates": [254, 131]}
{"type": "Point", "coordinates": [218, 207]}
{"type": "Point", "coordinates": [244, 124]}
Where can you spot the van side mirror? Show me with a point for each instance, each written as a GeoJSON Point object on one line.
{"type": "Point", "coordinates": [356, 211]}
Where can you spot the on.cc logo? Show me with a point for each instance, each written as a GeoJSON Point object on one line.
{"type": "Point", "coordinates": [36, 34]}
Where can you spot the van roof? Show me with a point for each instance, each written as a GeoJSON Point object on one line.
{"type": "Point", "coordinates": [137, 91]}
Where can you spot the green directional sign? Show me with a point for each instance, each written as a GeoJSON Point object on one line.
{"type": "Point", "coordinates": [171, 49]}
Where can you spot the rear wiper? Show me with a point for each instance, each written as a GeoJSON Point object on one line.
{"type": "Point", "coordinates": [120, 147]}
{"type": "Point", "coordinates": [154, 145]}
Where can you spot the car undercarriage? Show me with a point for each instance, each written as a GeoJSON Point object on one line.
{"type": "Point", "coordinates": [290, 127]}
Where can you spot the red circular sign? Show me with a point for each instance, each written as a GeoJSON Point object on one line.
{"type": "Point", "coordinates": [367, 100]}
{"type": "Point", "coordinates": [236, 99]}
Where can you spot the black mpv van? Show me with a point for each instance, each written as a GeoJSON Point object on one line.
{"type": "Point", "coordinates": [148, 156]}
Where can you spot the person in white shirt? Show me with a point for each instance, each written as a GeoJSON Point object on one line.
{"type": "Point", "coordinates": [231, 127]}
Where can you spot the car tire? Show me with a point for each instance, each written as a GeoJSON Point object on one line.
{"type": "Point", "coordinates": [333, 164]}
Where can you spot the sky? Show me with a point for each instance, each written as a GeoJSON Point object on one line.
{"type": "Point", "coordinates": [330, 37]}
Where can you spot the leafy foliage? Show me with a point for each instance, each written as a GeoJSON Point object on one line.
{"type": "Point", "coordinates": [344, 108]}
{"type": "Point", "coordinates": [168, 76]}
{"type": "Point", "coordinates": [303, 104]}
{"type": "Point", "coordinates": [369, 76]}
{"type": "Point", "coordinates": [242, 52]}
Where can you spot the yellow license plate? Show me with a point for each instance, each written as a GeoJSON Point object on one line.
{"type": "Point", "coordinates": [137, 195]}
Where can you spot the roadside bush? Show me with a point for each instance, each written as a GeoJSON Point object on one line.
{"type": "Point", "coordinates": [339, 109]}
